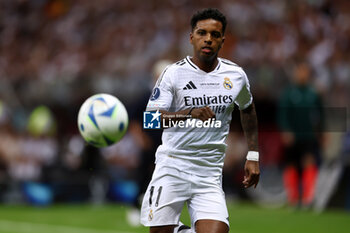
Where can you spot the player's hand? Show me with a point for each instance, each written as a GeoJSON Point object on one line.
{"type": "Point", "coordinates": [252, 174]}
{"type": "Point", "coordinates": [203, 114]}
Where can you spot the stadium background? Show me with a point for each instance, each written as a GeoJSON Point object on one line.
{"type": "Point", "coordinates": [56, 53]}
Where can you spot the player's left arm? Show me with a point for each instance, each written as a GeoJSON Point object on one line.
{"type": "Point", "coordinates": [250, 127]}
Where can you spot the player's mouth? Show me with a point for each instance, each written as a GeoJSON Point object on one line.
{"type": "Point", "coordinates": [207, 50]}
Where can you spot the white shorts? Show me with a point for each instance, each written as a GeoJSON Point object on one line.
{"type": "Point", "coordinates": [170, 188]}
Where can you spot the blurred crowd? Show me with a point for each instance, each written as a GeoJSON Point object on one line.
{"type": "Point", "coordinates": [56, 53]}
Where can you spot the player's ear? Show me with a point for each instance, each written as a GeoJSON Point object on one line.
{"type": "Point", "coordinates": [191, 38]}
{"type": "Point", "coordinates": [222, 43]}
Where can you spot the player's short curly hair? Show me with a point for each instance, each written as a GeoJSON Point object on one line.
{"type": "Point", "coordinates": [209, 13]}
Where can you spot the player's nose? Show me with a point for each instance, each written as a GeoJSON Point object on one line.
{"type": "Point", "coordinates": [208, 39]}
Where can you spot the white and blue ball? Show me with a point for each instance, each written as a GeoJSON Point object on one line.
{"type": "Point", "coordinates": [102, 120]}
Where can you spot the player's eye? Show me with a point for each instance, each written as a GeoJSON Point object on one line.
{"type": "Point", "coordinates": [201, 32]}
{"type": "Point", "coordinates": [216, 34]}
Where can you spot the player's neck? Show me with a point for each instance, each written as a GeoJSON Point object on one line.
{"type": "Point", "coordinates": [205, 65]}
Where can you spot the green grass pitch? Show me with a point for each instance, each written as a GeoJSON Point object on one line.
{"type": "Point", "coordinates": [244, 218]}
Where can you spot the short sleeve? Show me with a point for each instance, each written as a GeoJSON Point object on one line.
{"type": "Point", "coordinates": [162, 94]}
{"type": "Point", "coordinates": [244, 98]}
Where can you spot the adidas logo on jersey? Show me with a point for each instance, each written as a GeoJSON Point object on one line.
{"type": "Point", "coordinates": [190, 85]}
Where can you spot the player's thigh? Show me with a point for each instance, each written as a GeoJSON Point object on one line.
{"type": "Point", "coordinates": [208, 201]}
{"type": "Point", "coordinates": [162, 229]}
{"type": "Point", "coordinates": [164, 198]}
{"type": "Point", "coordinates": [211, 226]}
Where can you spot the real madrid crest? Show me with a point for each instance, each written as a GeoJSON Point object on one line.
{"type": "Point", "coordinates": [150, 215]}
{"type": "Point", "coordinates": [227, 83]}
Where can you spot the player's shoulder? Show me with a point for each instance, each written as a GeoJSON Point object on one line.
{"type": "Point", "coordinates": [178, 67]}
{"type": "Point", "coordinates": [229, 64]}
{"type": "Point", "coordinates": [169, 72]}
{"type": "Point", "coordinates": [180, 63]}
{"type": "Point", "coordinates": [174, 66]}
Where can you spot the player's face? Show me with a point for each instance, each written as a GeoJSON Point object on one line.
{"type": "Point", "coordinates": [207, 39]}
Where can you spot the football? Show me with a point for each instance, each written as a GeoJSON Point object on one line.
{"type": "Point", "coordinates": [102, 120]}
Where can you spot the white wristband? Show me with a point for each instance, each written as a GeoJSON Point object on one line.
{"type": "Point", "coordinates": [253, 156]}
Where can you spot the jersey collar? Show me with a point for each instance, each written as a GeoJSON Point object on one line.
{"type": "Point", "coordinates": [194, 66]}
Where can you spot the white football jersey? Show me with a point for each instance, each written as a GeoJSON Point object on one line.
{"type": "Point", "coordinates": [183, 85]}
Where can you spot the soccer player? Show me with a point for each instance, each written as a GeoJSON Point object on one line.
{"type": "Point", "coordinates": [189, 161]}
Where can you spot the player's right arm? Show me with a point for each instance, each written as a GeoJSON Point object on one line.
{"type": "Point", "coordinates": [203, 114]}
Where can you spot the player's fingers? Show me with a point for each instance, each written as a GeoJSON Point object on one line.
{"type": "Point", "coordinates": [212, 114]}
{"type": "Point", "coordinates": [209, 113]}
{"type": "Point", "coordinates": [247, 180]}
{"type": "Point", "coordinates": [257, 181]}
{"type": "Point", "coordinates": [250, 180]}
{"type": "Point", "coordinates": [246, 175]}
{"type": "Point", "coordinates": [252, 174]}
{"type": "Point", "coordinates": [254, 180]}
{"type": "Point", "coordinates": [209, 110]}
{"type": "Point", "coordinates": [200, 114]}
{"type": "Point", "coordinates": [205, 113]}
